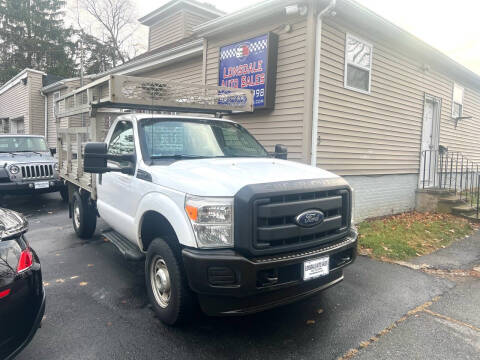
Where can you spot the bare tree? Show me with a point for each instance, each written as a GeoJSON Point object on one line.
{"type": "Point", "coordinates": [117, 20]}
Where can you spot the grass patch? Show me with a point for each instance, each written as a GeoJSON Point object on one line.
{"type": "Point", "coordinates": [400, 237]}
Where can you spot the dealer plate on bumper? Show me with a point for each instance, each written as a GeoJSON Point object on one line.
{"type": "Point", "coordinates": [316, 267]}
{"type": "Point", "coordinates": [42, 185]}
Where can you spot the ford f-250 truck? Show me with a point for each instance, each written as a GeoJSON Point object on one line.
{"type": "Point", "coordinates": [215, 217]}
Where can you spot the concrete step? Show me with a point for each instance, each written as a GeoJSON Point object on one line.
{"type": "Point", "coordinates": [451, 199]}
{"type": "Point", "coordinates": [464, 209]}
{"type": "Point", "coordinates": [471, 217]}
{"type": "Point", "coordinates": [436, 191]}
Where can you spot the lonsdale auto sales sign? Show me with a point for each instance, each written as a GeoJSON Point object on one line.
{"type": "Point", "coordinates": [251, 64]}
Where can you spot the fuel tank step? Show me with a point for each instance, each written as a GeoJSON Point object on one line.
{"type": "Point", "coordinates": [125, 246]}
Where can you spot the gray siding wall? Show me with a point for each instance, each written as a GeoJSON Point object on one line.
{"type": "Point", "coordinates": [166, 31]}
{"type": "Point", "coordinates": [189, 71]}
{"type": "Point", "coordinates": [192, 19]}
{"type": "Point", "coordinates": [14, 103]}
{"type": "Point", "coordinates": [36, 124]}
{"type": "Point", "coordinates": [285, 123]}
{"type": "Point", "coordinates": [380, 132]}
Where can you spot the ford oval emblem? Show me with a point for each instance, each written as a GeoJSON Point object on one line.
{"type": "Point", "coordinates": [309, 218]}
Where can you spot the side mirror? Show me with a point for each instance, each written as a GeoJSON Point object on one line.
{"type": "Point", "coordinates": [281, 152]}
{"type": "Point", "coordinates": [53, 151]}
{"type": "Point", "coordinates": [95, 159]}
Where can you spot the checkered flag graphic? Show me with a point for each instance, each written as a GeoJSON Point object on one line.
{"type": "Point", "coordinates": [253, 47]}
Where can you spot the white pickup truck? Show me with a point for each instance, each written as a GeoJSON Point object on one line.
{"type": "Point", "coordinates": [216, 218]}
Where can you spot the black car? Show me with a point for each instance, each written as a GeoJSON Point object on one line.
{"type": "Point", "coordinates": [22, 298]}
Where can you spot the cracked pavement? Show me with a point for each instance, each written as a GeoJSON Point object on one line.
{"type": "Point", "coordinates": [97, 307]}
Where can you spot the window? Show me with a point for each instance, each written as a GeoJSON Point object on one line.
{"type": "Point", "coordinates": [457, 103]}
{"type": "Point", "coordinates": [56, 95]}
{"type": "Point", "coordinates": [22, 144]}
{"type": "Point", "coordinates": [358, 64]}
{"type": "Point", "coordinates": [122, 141]}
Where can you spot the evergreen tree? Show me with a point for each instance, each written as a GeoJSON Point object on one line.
{"type": "Point", "coordinates": [99, 56]}
{"type": "Point", "coordinates": [32, 34]}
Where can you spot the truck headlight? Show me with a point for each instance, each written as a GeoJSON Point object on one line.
{"type": "Point", "coordinates": [14, 169]}
{"type": "Point", "coordinates": [212, 220]}
{"type": "Point", "coordinates": [56, 167]}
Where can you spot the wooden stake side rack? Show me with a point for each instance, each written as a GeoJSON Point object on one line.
{"type": "Point", "coordinates": [86, 114]}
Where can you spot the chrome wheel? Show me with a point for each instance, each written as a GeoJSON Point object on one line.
{"type": "Point", "coordinates": [76, 214]}
{"type": "Point", "coordinates": [160, 281]}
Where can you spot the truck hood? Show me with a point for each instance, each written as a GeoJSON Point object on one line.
{"type": "Point", "coordinates": [23, 158]}
{"type": "Point", "coordinates": [224, 177]}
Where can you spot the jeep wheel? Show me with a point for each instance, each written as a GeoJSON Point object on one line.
{"type": "Point", "coordinates": [167, 287]}
{"type": "Point", "coordinates": [84, 217]}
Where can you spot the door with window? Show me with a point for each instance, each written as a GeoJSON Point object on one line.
{"type": "Point", "coordinates": [116, 200]}
{"type": "Point", "coordinates": [430, 142]}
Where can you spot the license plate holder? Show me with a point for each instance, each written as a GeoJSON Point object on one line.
{"type": "Point", "coordinates": [317, 267]}
{"type": "Point", "coordinates": [41, 185]}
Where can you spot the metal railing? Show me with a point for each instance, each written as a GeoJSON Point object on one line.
{"type": "Point", "coordinates": [452, 171]}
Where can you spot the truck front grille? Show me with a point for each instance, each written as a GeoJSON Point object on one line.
{"type": "Point", "coordinates": [37, 171]}
{"type": "Point", "coordinates": [275, 226]}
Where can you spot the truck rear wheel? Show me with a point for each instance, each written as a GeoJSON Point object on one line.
{"type": "Point", "coordinates": [167, 286]}
{"type": "Point", "coordinates": [84, 216]}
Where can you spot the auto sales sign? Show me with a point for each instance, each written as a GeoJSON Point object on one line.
{"type": "Point", "coordinates": [251, 64]}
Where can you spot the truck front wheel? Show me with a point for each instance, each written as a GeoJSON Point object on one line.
{"type": "Point", "coordinates": [84, 216]}
{"type": "Point", "coordinates": [167, 287]}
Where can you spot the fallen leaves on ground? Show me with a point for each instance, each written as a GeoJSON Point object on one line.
{"type": "Point", "coordinates": [399, 237]}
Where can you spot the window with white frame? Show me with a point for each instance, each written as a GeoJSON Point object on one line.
{"type": "Point", "coordinates": [358, 64]}
{"type": "Point", "coordinates": [56, 95]}
{"type": "Point", "coordinates": [457, 102]}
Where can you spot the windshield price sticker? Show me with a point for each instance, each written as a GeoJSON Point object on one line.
{"type": "Point", "coordinates": [316, 267]}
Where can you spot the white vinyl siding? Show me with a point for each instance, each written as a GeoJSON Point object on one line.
{"type": "Point", "coordinates": [358, 64]}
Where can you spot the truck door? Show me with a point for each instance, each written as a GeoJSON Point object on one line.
{"type": "Point", "coordinates": [117, 201]}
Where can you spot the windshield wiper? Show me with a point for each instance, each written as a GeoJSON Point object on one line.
{"type": "Point", "coordinates": [177, 156]}
{"type": "Point", "coordinates": [25, 151]}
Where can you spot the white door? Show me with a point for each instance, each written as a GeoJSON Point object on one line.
{"type": "Point", "coordinates": [117, 201]}
{"type": "Point", "coordinates": [430, 141]}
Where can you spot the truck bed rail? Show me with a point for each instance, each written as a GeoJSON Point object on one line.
{"type": "Point", "coordinates": [85, 114]}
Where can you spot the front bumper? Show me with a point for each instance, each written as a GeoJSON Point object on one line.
{"type": "Point", "coordinates": [28, 187]}
{"type": "Point", "coordinates": [227, 283]}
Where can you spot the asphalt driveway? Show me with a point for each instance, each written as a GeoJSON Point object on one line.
{"type": "Point", "coordinates": [97, 309]}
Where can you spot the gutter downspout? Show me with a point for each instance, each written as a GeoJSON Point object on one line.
{"type": "Point", "coordinates": [316, 80]}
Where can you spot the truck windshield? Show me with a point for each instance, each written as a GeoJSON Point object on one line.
{"type": "Point", "coordinates": [190, 139]}
{"type": "Point", "coordinates": [13, 144]}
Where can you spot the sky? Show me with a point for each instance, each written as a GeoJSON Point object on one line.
{"type": "Point", "coordinates": [450, 26]}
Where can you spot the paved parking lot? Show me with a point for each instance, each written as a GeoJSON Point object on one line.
{"type": "Point", "coordinates": [97, 309]}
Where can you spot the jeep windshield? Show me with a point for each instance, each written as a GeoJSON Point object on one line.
{"type": "Point", "coordinates": [194, 139]}
{"type": "Point", "coordinates": [16, 144]}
